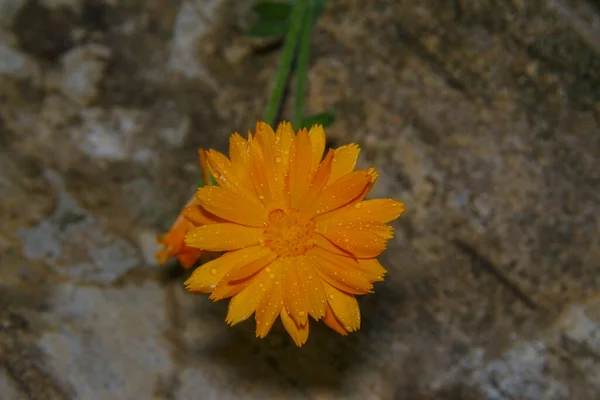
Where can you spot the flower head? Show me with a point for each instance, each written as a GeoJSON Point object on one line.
{"type": "Point", "coordinates": [298, 237]}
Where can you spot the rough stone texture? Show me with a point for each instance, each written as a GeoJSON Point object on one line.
{"type": "Point", "coordinates": [482, 115]}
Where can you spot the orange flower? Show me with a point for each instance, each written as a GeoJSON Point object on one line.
{"type": "Point", "coordinates": [173, 241]}
{"type": "Point", "coordinates": [299, 239]}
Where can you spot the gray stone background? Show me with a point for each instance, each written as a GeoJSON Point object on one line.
{"type": "Point", "coordinates": [481, 115]}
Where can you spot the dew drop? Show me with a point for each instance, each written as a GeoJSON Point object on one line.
{"type": "Point", "coordinates": [277, 160]}
{"type": "Point", "coordinates": [358, 205]}
{"type": "Point", "coordinates": [330, 297]}
{"type": "Point", "coordinates": [213, 271]}
{"type": "Point", "coordinates": [272, 276]}
{"type": "Point", "coordinates": [301, 313]}
{"type": "Point", "coordinates": [261, 197]}
{"type": "Point", "coordinates": [268, 269]}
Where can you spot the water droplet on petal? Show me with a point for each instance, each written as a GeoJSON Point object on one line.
{"type": "Point", "coordinates": [277, 160]}
{"type": "Point", "coordinates": [358, 205]}
{"type": "Point", "coordinates": [301, 313]}
{"type": "Point", "coordinates": [213, 271]}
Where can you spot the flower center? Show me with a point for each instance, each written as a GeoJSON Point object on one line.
{"type": "Point", "coordinates": [289, 233]}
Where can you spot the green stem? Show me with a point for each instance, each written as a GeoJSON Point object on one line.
{"type": "Point", "coordinates": [302, 65]}
{"type": "Point", "coordinates": [286, 62]}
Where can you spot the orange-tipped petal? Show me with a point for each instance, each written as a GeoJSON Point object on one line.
{"type": "Point", "coordinates": [222, 237]}
{"type": "Point", "coordinates": [174, 244]}
{"type": "Point", "coordinates": [188, 257]}
{"type": "Point", "coordinates": [299, 333]}
{"type": "Point", "coordinates": [232, 206]}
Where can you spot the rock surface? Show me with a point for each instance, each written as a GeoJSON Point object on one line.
{"type": "Point", "coordinates": [482, 116]}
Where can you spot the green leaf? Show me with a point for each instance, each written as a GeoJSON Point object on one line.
{"type": "Point", "coordinates": [272, 10]}
{"type": "Point", "coordinates": [268, 29]}
{"type": "Point", "coordinates": [318, 4]}
{"type": "Point", "coordinates": [326, 119]}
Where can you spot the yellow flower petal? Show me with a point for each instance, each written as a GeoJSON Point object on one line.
{"type": "Point", "coordinates": [383, 230]}
{"type": "Point", "coordinates": [229, 289]}
{"type": "Point", "coordinates": [228, 175]}
{"type": "Point", "coordinates": [331, 320]}
{"type": "Point", "coordinates": [326, 244]}
{"type": "Point", "coordinates": [298, 333]}
{"type": "Point", "coordinates": [232, 206]}
{"type": "Point", "coordinates": [270, 304]}
{"type": "Point", "coordinates": [284, 137]}
{"type": "Point", "coordinates": [199, 216]}
{"type": "Point", "coordinates": [238, 151]}
{"type": "Point", "coordinates": [245, 303]}
{"type": "Point", "coordinates": [362, 244]}
{"type": "Point", "coordinates": [317, 183]}
{"type": "Point", "coordinates": [344, 161]}
{"type": "Point", "coordinates": [340, 274]}
{"type": "Point", "coordinates": [313, 288]}
{"type": "Point", "coordinates": [261, 176]}
{"type": "Point", "coordinates": [379, 210]}
{"type": "Point", "coordinates": [300, 167]}
{"type": "Point", "coordinates": [344, 306]}
{"type": "Point", "coordinates": [342, 191]}
{"type": "Point", "coordinates": [222, 237]}
{"type": "Point", "coordinates": [206, 277]}
{"type": "Point", "coordinates": [370, 268]}
{"type": "Point", "coordinates": [316, 134]}
{"type": "Point", "coordinates": [252, 268]}
{"type": "Point", "coordinates": [239, 276]}
{"type": "Point", "coordinates": [294, 295]}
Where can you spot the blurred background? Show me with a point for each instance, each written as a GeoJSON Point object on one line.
{"type": "Point", "coordinates": [481, 115]}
